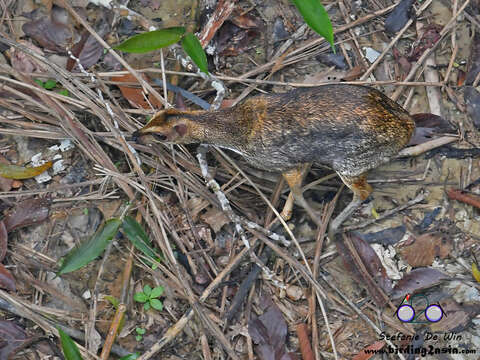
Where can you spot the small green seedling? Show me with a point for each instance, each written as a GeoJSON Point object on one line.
{"type": "Point", "coordinates": [50, 85]}
{"type": "Point", "coordinates": [140, 332]}
{"type": "Point", "coordinates": [131, 356]}
{"type": "Point", "coordinates": [149, 297]}
{"type": "Point", "coordinates": [47, 85]}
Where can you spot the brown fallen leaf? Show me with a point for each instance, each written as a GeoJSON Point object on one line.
{"type": "Point", "coordinates": [19, 172]}
{"type": "Point", "coordinates": [354, 73]}
{"type": "Point", "coordinates": [418, 279]}
{"type": "Point", "coordinates": [134, 93]}
{"type": "Point", "coordinates": [216, 218]}
{"type": "Point", "coordinates": [269, 332]}
{"type": "Point", "coordinates": [429, 126]}
{"type": "Point", "coordinates": [11, 338]}
{"type": "Point", "coordinates": [51, 35]}
{"type": "Point", "coordinates": [7, 280]}
{"type": "Point", "coordinates": [430, 36]}
{"type": "Point", "coordinates": [456, 317]}
{"type": "Point", "coordinates": [26, 213]}
{"type": "Point", "coordinates": [232, 40]}
{"type": "Point", "coordinates": [89, 50]}
{"type": "Point", "coordinates": [365, 259]}
{"type": "Point", "coordinates": [245, 21]}
{"type": "Point", "coordinates": [369, 351]}
{"type": "Point", "coordinates": [23, 62]}
{"type": "Point", "coordinates": [426, 248]}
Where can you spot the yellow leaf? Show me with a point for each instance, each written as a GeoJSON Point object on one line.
{"type": "Point", "coordinates": [19, 172]}
{"type": "Point", "coordinates": [475, 272]}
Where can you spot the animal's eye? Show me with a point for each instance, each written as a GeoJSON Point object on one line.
{"type": "Point", "coordinates": [159, 137]}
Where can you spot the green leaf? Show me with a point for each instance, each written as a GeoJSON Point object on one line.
{"type": "Point", "coordinates": [316, 17]}
{"type": "Point", "coordinates": [112, 300]}
{"type": "Point", "coordinates": [156, 292]}
{"type": "Point", "coordinates": [49, 84]}
{"type": "Point", "coordinates": [147, 289]}
{"type": "Point", "coordinates": [140, 331]}
{"type": "Point", "coordinates": [69, 347]}
{"type": "Point", "coordinates": [90, 249]}
{"type": "Point", "coordinates": [152, 40]}
{"type": "Point", "coordinates": [156, 304]}
{"type": "Point", "coordinates": [39, 82]}
{"type": "Point", "coordinates": [141, 297]}
{"type": "Point", "coordinates": [139, 337]}
{"type": "Point", "coordinates": [194, 49]}
{"type": "Point", "coordinates": [132, 356]}
{"type": "Point", "coordinates": [146, 306]}
{"type": "Point", "coordinates": [64, 92]}
{"type": "Point", "coordinates": [135, 233]}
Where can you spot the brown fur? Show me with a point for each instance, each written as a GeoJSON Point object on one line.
{"type": "Point", "coordinates": [350, 128]}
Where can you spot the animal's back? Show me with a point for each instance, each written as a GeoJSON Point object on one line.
{"type": "Point", "coordinates": [350, 128]}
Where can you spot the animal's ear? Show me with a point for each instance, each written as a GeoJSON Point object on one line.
{"type": "Point", "coordinates": [180, 129]}
{"type": "Point", "coordinates": [158, 118]}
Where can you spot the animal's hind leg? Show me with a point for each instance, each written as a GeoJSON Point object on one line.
{"type": "Point", "coordinates": [294, 179]}
{"type": "Point", "coordinates": [361, 190]}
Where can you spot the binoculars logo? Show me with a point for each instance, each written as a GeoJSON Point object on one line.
{"type": "Point", "coordinates": [406, 311]}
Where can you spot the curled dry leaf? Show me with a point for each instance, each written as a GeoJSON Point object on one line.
{"type": "Point", "coordinates": [11, 337]}
{"type": "Point", "coordinates": [27, 212]}
{"type": "Point", "coordinates": [19, 172]}
{"type": "Point", "coordinates": [133, 92]}
{"type": "Point", "coordinates": [426, 248]}
{"type": "Point", "coordinates": [6, 279]}
{"type": "Point", "coordinates": [418, 279]}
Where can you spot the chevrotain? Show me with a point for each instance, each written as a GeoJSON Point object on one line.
{"type": "Point", "coordinates": [349, 128]}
